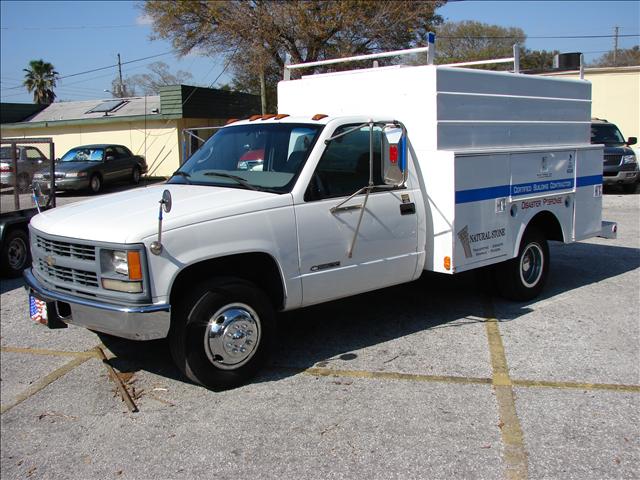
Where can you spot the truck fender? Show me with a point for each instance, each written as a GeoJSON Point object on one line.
{"type": "Point", "coordinates": [547, 223]}
{"type": "Point", "coordinates": [259, 268]}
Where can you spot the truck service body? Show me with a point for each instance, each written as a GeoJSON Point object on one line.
{"type": "Point", "coordinates": [492, 165]}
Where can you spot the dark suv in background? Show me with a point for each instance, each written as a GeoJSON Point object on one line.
{"type": "Point", "coordinates": [620, 163]}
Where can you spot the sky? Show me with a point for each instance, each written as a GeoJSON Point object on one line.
{"type": "Point", "coordinates": [77, 36]}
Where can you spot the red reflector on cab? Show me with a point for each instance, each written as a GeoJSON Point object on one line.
{"type": "Point", "coordinates": [393, 153]}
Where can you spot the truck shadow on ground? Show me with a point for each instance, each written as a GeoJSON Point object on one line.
{"type": "Point", "coordinates": [335, 330]}
{"type": "Point", "coordinates": [8, 284]}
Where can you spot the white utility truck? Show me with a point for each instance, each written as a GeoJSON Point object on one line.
{"type": "Point", "coordinates": [365, 179]}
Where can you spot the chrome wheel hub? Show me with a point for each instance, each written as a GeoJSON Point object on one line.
{"type": "Point", "coordinates": [531, 265]}
{"type": "Point", "coordinates": [232, 336]}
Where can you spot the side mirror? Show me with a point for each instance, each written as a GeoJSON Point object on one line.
{"type": "Point", "coordinates": [110, 158]}
{"type": "Point", "coordinates": [394, 155]}
{"type": "Point", "coordinates": [632, 140]}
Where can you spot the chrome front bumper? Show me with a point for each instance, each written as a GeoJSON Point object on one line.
{"type": "Point", "coordinates": [621, 177]}
{"type": "Point", "coordinates": [139, 322]}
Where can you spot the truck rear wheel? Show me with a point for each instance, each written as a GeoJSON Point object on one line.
{"type": "Point", "coordinates": [523, 278]}
{"type": "Point", "coordinates": [221, 331]}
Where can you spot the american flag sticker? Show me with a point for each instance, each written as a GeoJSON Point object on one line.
{"type": "Point", "coordinates": [38, 310]}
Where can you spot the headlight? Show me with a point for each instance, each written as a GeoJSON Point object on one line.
{"type": "Point", "coordinates": [76, 174]}
{"type": "Point", "coordinates": [120, 262]}
{"type": "Point", "coordinates": [122, 270]}
{"type": "Point", "coordinates": [628, 159]}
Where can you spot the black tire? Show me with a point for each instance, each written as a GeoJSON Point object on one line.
{"type": "Point", "coordinates": [228, 308]}
{"type": "Point", "coordinates": [15, 254]}
{"type": "Point", "coordinates": [95, 183]}
{"type": "Point", "coordinates": [135, 175]}
{"type": "Point", "coordinates": [24, 183]}
{"type": "Point", "coordinates": [523, 278]}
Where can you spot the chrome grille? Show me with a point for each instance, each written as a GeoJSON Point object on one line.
{"type": "Point", "coordinates": [68, 275]}
{"type": "Point", "coordinates": [612, 159]}
{"type": "Point", "coordinates": [66, 249]}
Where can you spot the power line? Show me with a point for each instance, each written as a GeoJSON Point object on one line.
{"type": "Point", "coordinates": [77, 27]}
{"type": "Point", "coordinates": [102, 68]}
{"type": "Point", "coordinates": [115, 65]}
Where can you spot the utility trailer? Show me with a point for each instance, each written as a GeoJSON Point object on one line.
{"type": "Point", "coordinates": [17, 202]}
{"type": "Point", "coordinates": [363, 180]}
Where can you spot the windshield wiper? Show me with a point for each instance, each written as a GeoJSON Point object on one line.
{"type": "Point", "coordinates": [184, 175]}
{"type": "Point", "coordinates": [238, 179]}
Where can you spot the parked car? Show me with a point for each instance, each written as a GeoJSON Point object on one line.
{"type": "Point", "coordinates": [620, 162]}
{"type": "Point", "coordinates": [30, 160]}
{"type": "Point", "coordinates": [92, 166]}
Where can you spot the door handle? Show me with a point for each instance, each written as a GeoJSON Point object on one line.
{"type": "Point", "coordinates": [407, 208]}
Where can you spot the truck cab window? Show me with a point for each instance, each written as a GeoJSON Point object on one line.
{"type": "Point", "coordinates": [344, 166]}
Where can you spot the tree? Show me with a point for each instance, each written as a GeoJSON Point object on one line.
{"type": "Point", "coordinates": [257, 36]}
{"type": "Point", "coordinates": [40, 78]}
{"type": "Point", "coordinates": [150, 83]}
{"type": "Point", "coordinates": [469, 41]}
{"type": "Point", "coordinates": [623, 57]}
{"type": "Point", "coordinates": [536, 60]}
{"type": "Point", "coordinates": [159, 76]}
{"type": "Point", "coordinates": [124, 90]}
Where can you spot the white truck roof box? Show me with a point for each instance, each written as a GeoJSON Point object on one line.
{"type": "Point", "coordinates": [451, 108]}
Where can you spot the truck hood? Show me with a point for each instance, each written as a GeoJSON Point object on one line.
{"type": "Point", "coordinates": [617, 150]}
{"type": "Point", "coordinates": [131, 216]}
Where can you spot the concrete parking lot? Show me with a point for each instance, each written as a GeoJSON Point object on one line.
{"type": "Point", "coordinates": [434, 379]}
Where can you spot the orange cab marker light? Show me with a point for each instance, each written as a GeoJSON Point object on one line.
{"type": "Point", "coordinates": [447, 263]}
{"type": "Point", "coordinates": [268, 116]}
{"type": "Point", "coordinates": [280, 116]}
{"type": "Point", "coordinates": [254, 117]}
{"type": "Point", "coordinates": [232, 120]}
{"type": "Point", "coordinates": [319, 116]}
{"type": "Point", "coordinates": [135, 267]}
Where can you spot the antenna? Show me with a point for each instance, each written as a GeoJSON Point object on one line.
{"type": "Point", "coordinates": [615, 45]}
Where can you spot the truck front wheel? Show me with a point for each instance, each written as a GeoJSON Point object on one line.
{"type": "Point", "coordinates": [523, 278]}
{"type": "Point", "coordinates": [221, 332]}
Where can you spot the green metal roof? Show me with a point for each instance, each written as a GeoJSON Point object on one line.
{"type": "Point", "coordinates": [17, 112]}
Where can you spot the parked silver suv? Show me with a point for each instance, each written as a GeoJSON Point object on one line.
{"type": "Point", "coordinates": [620, 163]}
{"type": "Point", "coordinates": [30, 160]}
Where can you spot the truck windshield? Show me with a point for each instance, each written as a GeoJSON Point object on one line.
{"type": "Point", "coordinates": [259, 157]}
{"type": "Point", "coordinates": [607, 134]}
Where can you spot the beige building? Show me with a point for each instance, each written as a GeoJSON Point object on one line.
{"type": "Point", "coordinates": [615, 96]}
{"type": "Point", "coordinates": [151, 126]}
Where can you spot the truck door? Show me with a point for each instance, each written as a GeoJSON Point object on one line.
{"type": "Point", "coordinates": [385, 249]}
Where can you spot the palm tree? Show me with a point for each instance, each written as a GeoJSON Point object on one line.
{"type": "Point", "coordinates": [41, 79]}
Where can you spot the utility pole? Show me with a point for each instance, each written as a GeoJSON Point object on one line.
{"type": "Point", "coordinates": [263, 92]}
{"type": "Point", "coordinates": [121, 88]}
{"type": "Point", "coordinates": [615, 45]}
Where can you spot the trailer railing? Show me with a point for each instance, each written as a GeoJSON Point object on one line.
{"type": "Point", "coordinates": [24, 199]}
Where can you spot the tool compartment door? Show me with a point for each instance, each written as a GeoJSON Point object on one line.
{"type": "Point", "coordinates": [588, 199]}
{"type": "Point", "coordinates": [481, 236]}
